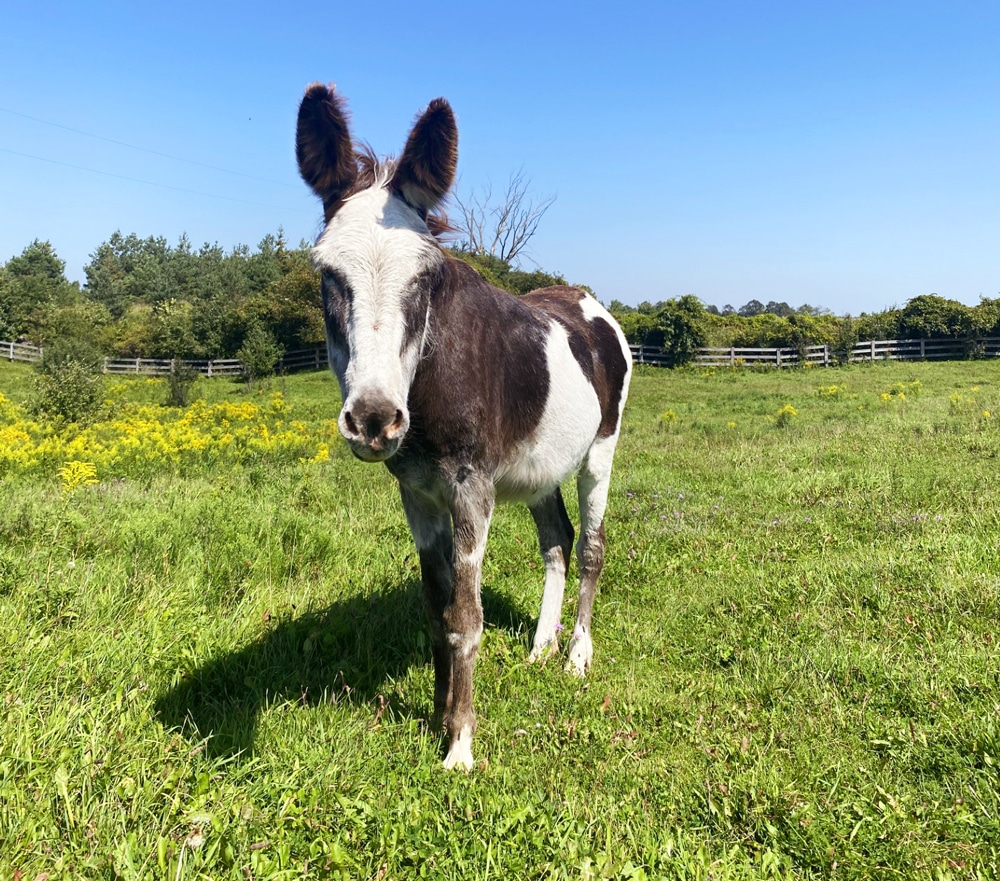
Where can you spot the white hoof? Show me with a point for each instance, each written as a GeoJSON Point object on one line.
{"type": "Point", "coordinates": [460, 752]}
{"type": "Point", "coordinates": [542, 651]}
{"type": "Point", "coordinates": [581, 653]}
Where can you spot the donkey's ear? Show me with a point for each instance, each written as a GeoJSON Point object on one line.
{"type": "Point", "coordinates": [426, 169]}
{"type": "Point", "coordinates": [323, 146]}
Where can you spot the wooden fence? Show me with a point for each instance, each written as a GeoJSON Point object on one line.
{"type": "Point", "coordinates": [825, 356]}
{"type": "Point", "coordinates": [20, 352]}
{"type": "Point", "coordinates": [925, 350]}
{"type": "Point", "coordinates": [160, 367]}
{"type": "Point", "coordinates": [821, 356]}
{"type": "Point", "coordinates": [734, 357]}
{"type": "Point", "coordinates": [300, 359]}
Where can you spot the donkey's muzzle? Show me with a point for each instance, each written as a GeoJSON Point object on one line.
{"type": "Point", "coordinates": [374, 426]}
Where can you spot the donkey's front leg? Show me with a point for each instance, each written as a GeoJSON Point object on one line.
{"type": "Point", "coordinates": [431, 530]}
{"type": "Point", "coordinates": [471, 509]}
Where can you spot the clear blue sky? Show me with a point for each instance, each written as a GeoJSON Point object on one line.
{"type": "Point", "coordinates": [843, 155]}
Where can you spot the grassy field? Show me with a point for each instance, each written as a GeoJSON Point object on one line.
{"type": "Point", "coordinates": [213, 662]}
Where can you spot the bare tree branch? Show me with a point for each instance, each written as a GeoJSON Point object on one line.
{"type": "Point", "coordinates": [501, 228]}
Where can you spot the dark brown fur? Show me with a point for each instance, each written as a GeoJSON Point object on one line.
{"type": "Point", "coordinates": [485, 383]}
{"type": "Point", "coordinates": [335, 169]}
{"type": "Point", "coordinates": [323, 146]}
{"type": "Point", "coordinates": [427, 168]}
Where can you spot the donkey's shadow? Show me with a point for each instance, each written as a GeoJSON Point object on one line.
{"type": "Point", "coordinates": [343, 653]}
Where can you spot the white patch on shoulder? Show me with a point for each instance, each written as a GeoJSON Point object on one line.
{"type": "Point", "coordinates": [564, 434]}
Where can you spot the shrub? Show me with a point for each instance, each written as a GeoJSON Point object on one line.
{"type": "Point", "coordinates": [71, 350]}
{"type": "Point", "coordinates": [68, 390]}
{"type": "Point", "coordinates": [932, 317]}
{"type": "Point", "coordinates": [179, 384]}
{"type": "Point", "coordinates": [259, 353]}
{"type": "Point", "coordinates": [683, 333]}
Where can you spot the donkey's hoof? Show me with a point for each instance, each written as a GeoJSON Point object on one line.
{"type": "Point", "coordinates": [460, 752]}
{"type": "Point", "coordinates": [581, 653]}
{"type": "Point", "coordinates": [544, 651]}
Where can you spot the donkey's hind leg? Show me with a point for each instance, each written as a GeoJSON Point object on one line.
{"type": "Point", "coordinates": [555, 539]}
{"type": "Point", "coordinates": [592, 487]}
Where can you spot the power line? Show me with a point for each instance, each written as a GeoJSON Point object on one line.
{"type": "Point", "coordinates": [146, 149]}
{"type": "Point", "coordinates": [150, 182]}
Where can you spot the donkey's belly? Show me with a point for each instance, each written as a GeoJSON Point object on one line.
{"type": "Point", "coordinates": [564, 435]}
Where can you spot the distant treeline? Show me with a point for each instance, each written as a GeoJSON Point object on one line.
{"type": "Point", "coordinates": [682, 325]}
{"type": "Point", "coordinates": [144, 298]}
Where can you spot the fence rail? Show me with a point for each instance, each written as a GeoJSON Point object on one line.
{"type": "Point", "coordinates": [870, 350]}
{"type": "Point", "coordinates": [925, 350]}
{"type": "Point", "coordinates": [782, 357]}
{"type": "Point", "coordinates": [304, 359]}
{"type": "Point", "coordinates": [20, 352]}
{"type": "Point", "coordinates": [821, 356]}
{"type": "Point", "coordinates": [299, 359]}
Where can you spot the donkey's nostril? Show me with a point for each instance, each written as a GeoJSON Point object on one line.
{"type": "Point", "coordinates": [374, 423]}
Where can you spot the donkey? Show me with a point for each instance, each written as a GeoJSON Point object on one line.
{"type": "Point", "coordinates": [468, 394]}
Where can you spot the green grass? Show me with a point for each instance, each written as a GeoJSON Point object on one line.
{"type": "Point", "coordinates": [225, 673]}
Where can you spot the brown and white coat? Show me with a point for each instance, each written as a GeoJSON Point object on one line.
{"type": "Point", "coordinates": [468, 394]}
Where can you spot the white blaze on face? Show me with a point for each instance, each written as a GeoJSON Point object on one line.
{"type": "Point", "coordinates": [378, 246]}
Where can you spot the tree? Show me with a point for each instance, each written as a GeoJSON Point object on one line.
{"type": "Point", "coordinates": [32, 287]}
{"type": "Point", "coordinates": [259, 353]}
{"type": "Point", "coordinates": [500, 273]}
{"type": "Point", "coordinates": [754, 307]}
{"type": "Point", "coordinates": [782, 310]}
{"type": "Point", "coordinates": [501, 228]}
{"type": "Point", "coordinates": [682, 323]}
{"type": "Point", "coordinates": [930, 316]}
{"type": "Point", "coordinates": [126, 269]}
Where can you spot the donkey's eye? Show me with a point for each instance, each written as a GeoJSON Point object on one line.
{"type": "Point", "coordinates": [336, 287]}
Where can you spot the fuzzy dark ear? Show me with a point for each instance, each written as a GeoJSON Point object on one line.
{"type": "Point", "coordinates": [426, 169]}
{"type": "Point", "coordinates": [323, 146]}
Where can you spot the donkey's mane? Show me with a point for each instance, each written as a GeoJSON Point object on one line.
{"type": "Point", "coordinates": [375, 171]}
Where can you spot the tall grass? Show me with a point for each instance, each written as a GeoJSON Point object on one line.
{"type": "Point", "coordinates": [218, 668]}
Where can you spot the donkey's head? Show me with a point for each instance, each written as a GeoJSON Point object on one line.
{"type": "Point", "coordinates": [379, 260]}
